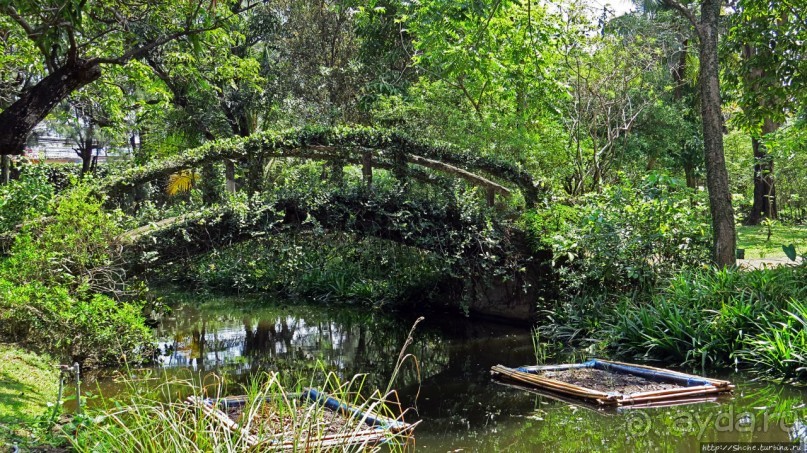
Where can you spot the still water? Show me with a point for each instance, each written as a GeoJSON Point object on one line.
{"type": "Point", "coordinates": [461, 407]}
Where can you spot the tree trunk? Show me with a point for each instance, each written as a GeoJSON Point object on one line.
{"type": "Point", "coordinates": [229, 176]}
{"type": "Point", "coordinates": [18, 120]}
{"type": "Point", "coordinates": [764, 185]}
{"type": "Point", "coordinates": [764, 189]}
{"type": "Point", "coordinates": [84, 150]}
{"type": "Point", "coordinates": [717, 181]}
{"type": "Point", "coordinates": [5, 169]}
{"type": "Point", "coordinates": [210, 184]}
{"type": "Point", "coordinates": [689, 172]}
{"type": "Point", "coordinates": [679, 73]}
{"type": "Point", "coordinates": [86, 162]}
{"type": "Point", "coordinates": [367, 169]}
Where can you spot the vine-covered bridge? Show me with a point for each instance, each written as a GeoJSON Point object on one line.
{"type": "Point", "coordinates": [501, 273]}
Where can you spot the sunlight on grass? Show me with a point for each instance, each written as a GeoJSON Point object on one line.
{"type": "Point", "coordinates": [27, 383]}
{"type": "Point", "coordinates": [754, 239]}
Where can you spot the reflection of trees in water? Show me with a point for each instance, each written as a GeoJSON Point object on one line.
{"type": "Point", "coordinates": [348, 342]}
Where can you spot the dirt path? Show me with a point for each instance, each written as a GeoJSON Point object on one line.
{"type": "Point", "coordinates": [759, 263]}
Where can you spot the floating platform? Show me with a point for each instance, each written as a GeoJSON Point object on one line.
{"type": "Point", "coordinates": [609, 383]}
{"type": "Point", "coordinates": [355, 426]}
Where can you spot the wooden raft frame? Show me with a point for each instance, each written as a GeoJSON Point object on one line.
{"type": "Point", "coordinates": [693, 386]}
{"type": "Point", "coordinates": [376, 432]}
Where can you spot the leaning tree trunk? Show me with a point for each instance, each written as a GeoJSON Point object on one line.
{"type": "Point", "coordinates": [19, 119]}
{"type": "Point", "coordinates": [717, 181]}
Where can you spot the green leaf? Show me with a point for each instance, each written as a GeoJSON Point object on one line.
{"type": "Point", "coordinates": [790, 251]}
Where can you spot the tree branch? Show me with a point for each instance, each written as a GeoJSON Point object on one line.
{"type": "Point", "coordinates": [686, 12]}
{"type": "Point", "coordinates": [138, 52]}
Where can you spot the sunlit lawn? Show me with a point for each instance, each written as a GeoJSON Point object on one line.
{"type": "Point", "coordinates": [754, 239]}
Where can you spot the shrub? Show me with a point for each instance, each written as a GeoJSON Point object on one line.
{"type": "Point", "coordinates": [25, 197]}
{"type": "Point", "coordinates": [337, 267]}
{"type": "Point", "coordinates": [50, 285]}
{"type": "Point", "coordinates": [627, 238]}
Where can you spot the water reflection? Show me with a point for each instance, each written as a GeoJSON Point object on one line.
{"type": "Point", "coordinates": [241, 340]}
{"type": "Point", "coordinates": [461, 407]}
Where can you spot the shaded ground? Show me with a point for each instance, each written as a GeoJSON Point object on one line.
{"type": "Point", "coordinates": [605, 381]}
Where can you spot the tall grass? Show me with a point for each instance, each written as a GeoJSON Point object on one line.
{"type": "Point", "coordinates": [780, 347]}
{"type": "Point", "coordinates": [719, 317]}
{"type": "Point", "coordinates": [274, 416]}
{"type": "Point", "coordinates": [710, 317]}
{"type": "Point", "coordinates": [160, 421]}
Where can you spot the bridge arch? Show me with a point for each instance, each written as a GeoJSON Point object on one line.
{"type": "Point", "coordinates": [495, 265]}
{"type": "Point", "coordinates": [356, 145]}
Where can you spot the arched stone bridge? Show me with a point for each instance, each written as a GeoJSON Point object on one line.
{"type": "Point", "coordinates": [489, 252]}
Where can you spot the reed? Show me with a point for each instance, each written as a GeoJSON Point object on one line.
{"type": "Point", "coordinates": [273, 416]}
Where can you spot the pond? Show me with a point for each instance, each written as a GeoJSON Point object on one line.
{"type": "Point", "coordinates": [462, 408]}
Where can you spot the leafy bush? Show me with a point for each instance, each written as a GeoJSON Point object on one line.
{"type": "Point", "coordinates": [25, 197]}
{"type": "Point", "coordinates": [89, 329]}
{"type": "Point", "coordinates": [628, 237]}
{"type": "Point", "coordinates": [335, 267]}
{"type": "Point", "coordinates": [50, 285]}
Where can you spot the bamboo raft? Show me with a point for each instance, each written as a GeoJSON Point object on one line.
{"type": "Point", "coordinates": [689, 388]}
{"type": "Point", "coordinates": [378, 429]}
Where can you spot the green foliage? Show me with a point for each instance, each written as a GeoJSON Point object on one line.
{"type": "Point", "coordinates": [754, 239]}
{"type": "Point", "coordinates": [715, 316]}
{"type": "Point", "coordinates": [30, 386]}
{"type": "Point", "coordinates": [51, 280]}
{"type": "Point", "coordinates": [779, 348]}
{"type": "Point", "coordinates": [331, 267]}
{"type": "Point", "coordinates": [92, 329]}
{"type": "Point", "coordinates": [787, 146]}
{"type": "Point", "coordinates": [627, 238]}
{"type": "Point", "coordinates": [24, 198]}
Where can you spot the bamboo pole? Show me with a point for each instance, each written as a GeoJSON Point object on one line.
{"type": "Point", "coordinates": [222, 419]}
{"type": "Point", "coordinates": [668, 391]}
{"type": "Point", "coordinates": [629, 400]}
{"type": "Point", "coordinates": [567, 366]}
{"type": "Point", "coordinates": [717, 382]}
{"type": "Point", "coordinates": [333, 440]}
{"type": "Point", "coordinates": [553, 384]}
{"type": "Point", "coordinates": [671, 403]}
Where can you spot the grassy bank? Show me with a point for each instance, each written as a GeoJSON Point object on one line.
{"type": "Point", "coordinates": [28, 382]}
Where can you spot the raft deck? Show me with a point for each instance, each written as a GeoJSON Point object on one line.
{"type": "Point", "coordinates": [610, 383]}
{"type": "Point", "coordinates": [373, 428]}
